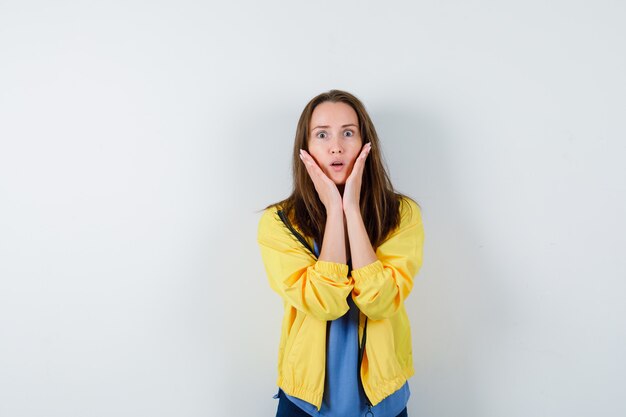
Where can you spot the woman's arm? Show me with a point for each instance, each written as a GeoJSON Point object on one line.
{"type": "Point", "coordinates": [382, 279]}
{"type": "Point", "coordinates": [319, 288]}
{"type": "Point", "coordinates": [361, 250]}
{"type": "Point", "coordinates": [360, 246]}
{"type": "Point", "coordinates": [334, 244]}
{"type": "Point", "coordinates": [382, 282]}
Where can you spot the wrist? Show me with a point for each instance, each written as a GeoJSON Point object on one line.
{"type": "Point", "coordinates": [351, 210]}
{"type": "Point", "coordinates": [334, 211]}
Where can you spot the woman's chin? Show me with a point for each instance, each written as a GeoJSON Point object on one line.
{"type": "Point", "coordinates": [339, 179]}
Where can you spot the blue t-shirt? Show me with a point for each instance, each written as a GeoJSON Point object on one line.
{"type": "Point", "coordinates": [343, 392]}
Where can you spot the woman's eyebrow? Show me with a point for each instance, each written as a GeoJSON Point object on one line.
{"type": "Point", "coordinates": [326, 127]}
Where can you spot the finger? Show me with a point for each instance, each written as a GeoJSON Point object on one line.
{"type": "Point", "coordinates": [306, 156]}
{"type": "Point", "coordinates": [309, 162]}
{"type": "Point", "coordinates": [359, 164]}
{"type": "Point", "coordinates": [309, 167]}
{"type": "Point", "coordinates": [314, 170]}
{"type": "Point", "coordinates": [365, 151]}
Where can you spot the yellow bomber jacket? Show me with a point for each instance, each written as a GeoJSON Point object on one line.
{"type": "Point", "coordinates": [315, 292]}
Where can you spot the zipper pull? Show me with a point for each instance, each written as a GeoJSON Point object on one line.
{"type": "Point", "coordinates": [369, 412]}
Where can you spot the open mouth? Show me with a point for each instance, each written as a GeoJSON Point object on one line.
{"type": "Point", "coordinates": [337, 166]}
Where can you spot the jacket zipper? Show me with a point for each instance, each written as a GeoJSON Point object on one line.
{"type": "Point", "coordinates": [306, 245]}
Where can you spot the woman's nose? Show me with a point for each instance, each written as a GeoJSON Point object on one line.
{"type": "Point", "coordinates": [335, 147]}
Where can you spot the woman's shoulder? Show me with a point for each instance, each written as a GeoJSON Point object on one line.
{"type": "Point", "coordinates": [270, 215]}
{"type": "Point", "coordinates": [409, 228]}
{"type": "Point", "coordinates": [277, 226]}
{"type": "Point", "coordinates": [274, 219]}
{"type": "Point", "coordinates": [410, 211]}
{"type": "Point", "coordinates": [270, 228]}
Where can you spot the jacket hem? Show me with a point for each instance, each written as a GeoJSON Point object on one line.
{"type": "Point", "coordinates": [310, 396]}
{"type": "Point", "coordinates": [387, 387]}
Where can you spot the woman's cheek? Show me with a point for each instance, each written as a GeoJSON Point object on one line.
{"type": "Point", "coordinates": [349, 170]}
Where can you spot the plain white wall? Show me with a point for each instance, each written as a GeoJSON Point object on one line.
{"type": "Point", "coordinates": [138, 139]}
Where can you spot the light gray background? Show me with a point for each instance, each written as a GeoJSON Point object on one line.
{"type": "Point", "coordinates": [138, 139]}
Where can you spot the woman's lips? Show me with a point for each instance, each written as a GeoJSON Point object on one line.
{"type": "Point", "coordinates": [337, 168]}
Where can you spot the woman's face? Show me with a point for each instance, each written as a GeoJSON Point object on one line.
{"type": "Point", "coordinates": [335, 140]}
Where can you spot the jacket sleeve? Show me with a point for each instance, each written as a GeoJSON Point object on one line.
{"type": "Point", "coordinates": [381, 287]}
{"type": "Point", "coordinates": [318, 288]}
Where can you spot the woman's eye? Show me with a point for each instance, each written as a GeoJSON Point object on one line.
{"type": "Point", "coordinates": [348, 133]}
{"type": "Point", "coordinates": [322, 135]}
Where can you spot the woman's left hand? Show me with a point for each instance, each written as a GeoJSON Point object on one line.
{"type": "Point", "coordinates": [352, 189]}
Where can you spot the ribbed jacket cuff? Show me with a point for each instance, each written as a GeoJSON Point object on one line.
{"type": "Point", "coordinates": [333, 270]}
{"type": "Point", "coordinates": [368, 271]}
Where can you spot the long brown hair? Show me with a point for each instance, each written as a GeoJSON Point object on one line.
{"type": "Point", "coordinates": [378, 200]}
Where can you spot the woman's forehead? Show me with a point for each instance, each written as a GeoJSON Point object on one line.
{"type": "Point", "coordinates": [333, 114]}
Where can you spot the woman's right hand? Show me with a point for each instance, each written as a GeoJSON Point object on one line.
{"type": "Point", "coordinates": [325, 187]}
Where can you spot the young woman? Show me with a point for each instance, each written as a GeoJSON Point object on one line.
{"type": "Point", "coordinates": [342, 251]}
